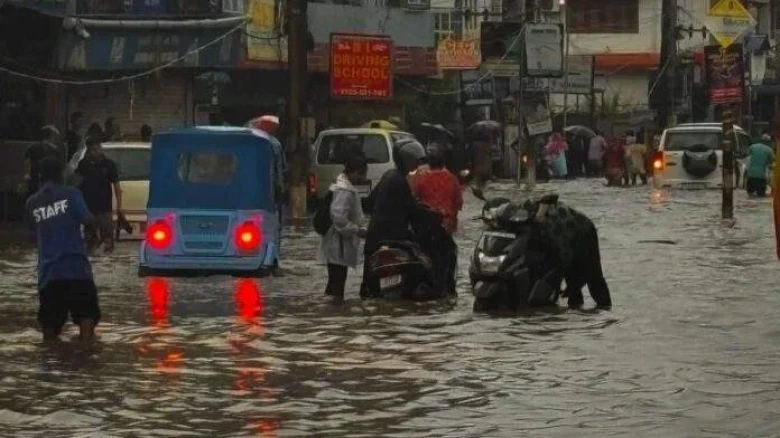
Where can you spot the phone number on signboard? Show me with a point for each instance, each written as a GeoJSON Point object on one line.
{"type": "Point", "coordinates": [362, 93]}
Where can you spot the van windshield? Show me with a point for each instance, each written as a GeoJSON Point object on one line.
{"type": "Point", "coordinates": [681, 141]}
{"type": "Point", "coordinates": [334, 148]}
{"type": "Point", "coordinates": [132, 163]}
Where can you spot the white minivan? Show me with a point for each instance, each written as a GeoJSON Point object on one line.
{"type": "Point", "coordinates": [132, 160]}
{"type": "Point", "coordinates": [690, 156]}
{"type": "Point", "coordinates": [330, 151]}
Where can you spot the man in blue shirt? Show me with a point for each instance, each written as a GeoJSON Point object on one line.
{"type": "Point", "coordinates": [65, 282]}
{"type": "Point", "coordinates": [760, 158]}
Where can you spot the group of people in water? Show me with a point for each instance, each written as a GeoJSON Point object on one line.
{"type": "Point", "coordinates": [623, 161]}
{"type": "Point", "coordinates": [420, 182]}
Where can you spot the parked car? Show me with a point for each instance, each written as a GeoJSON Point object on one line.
{"type": "Point", "coordinates": [332, 146]}
{"type": "Point", "coordinates": [690, 156]}
{"type": "Point", "coordinates": [132, 160]}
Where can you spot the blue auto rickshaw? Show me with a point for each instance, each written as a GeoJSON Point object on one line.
{"type": "Point", "coordinates": [211, 206]}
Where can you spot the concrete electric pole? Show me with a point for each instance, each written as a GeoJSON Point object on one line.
{"type": "Point", "coordinates": [297, 143]}
{"type": "Point", "coordinates": [668, 70]}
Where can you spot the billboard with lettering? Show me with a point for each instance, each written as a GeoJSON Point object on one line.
{"type": "Point", "coordinates": [361, 67]}
{"type": "Point", "coordinates": [127, 50]}
{"type": "Point", "coordinates": [452, 54]}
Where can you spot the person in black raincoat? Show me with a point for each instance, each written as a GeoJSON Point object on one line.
{"type": "Point", "coordinates": [393, 209]}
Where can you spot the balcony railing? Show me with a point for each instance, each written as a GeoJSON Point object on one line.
{"type": "Point", "coordinates": [150, 8]}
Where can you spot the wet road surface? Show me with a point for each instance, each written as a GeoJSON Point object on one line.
{"type": "Point", "coordinates": [690, 349]}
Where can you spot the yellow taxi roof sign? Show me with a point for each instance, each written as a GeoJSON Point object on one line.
{"type": "Point", "coordinates": [729, 8]}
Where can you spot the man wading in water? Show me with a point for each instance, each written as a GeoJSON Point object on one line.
{"type": "Point", "coordinates": [65, 284]}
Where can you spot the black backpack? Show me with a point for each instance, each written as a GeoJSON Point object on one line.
{"type": "Point", "coordinates": [322, 219]}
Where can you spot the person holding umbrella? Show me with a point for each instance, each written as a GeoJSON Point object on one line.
{"type": "Point", "coordinates": [483, 134]}
{"type": "Point", "coordinates": [270, 125]}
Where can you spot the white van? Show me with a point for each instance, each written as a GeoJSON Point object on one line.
{"type": "Point", "coordinates": [132, 160]}
{"type": "Point", "coordinates": [330, 150]}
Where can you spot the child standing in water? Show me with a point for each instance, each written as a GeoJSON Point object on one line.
{"type": "Point", "coordinates": [65, 283]}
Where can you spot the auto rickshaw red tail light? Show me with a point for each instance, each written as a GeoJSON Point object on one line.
{"type": "Point", "coordinates": [159, 235]}
{"type": "Point", "coordinates": [248, 236]}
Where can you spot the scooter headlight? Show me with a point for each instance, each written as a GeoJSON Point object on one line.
{"type": "Point", "coordinates": [490, 264]}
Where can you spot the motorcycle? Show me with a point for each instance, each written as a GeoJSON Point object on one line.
{"type": "Point", "coordinates": [405, 269]}
{"type": "Point", "coordinates": [510, 268]}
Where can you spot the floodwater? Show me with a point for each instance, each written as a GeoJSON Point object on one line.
{"type": "Point", "coordinates": [690, 350]}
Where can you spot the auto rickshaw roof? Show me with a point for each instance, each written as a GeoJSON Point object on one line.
{"type": "Point", "coordinates": [216, 131]}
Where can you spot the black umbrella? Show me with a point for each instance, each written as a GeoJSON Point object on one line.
{"type": "Point", "coordinates": [581, 131]}
{"type": "Point", "coordinates": [484, 130]}
{"type": "Point", "coordinates": [437, 129]}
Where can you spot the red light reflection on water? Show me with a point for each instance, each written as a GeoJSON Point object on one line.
{"type": "Point", "coordinates": [249, 300]}
{"type": "Point", "coordinates": [156, 344]}
{"type": "Point", "coordinates": [266, 428]}
{"type": "Point", "coordinates": [158, 293]}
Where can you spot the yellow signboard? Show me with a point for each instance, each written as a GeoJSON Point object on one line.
{"type": "Point", "coordinates": [729, 8]}
{"type": "Point", "coordinates": [727, 21]}
{"type": "Point", "coordinates": [263, 42]}
{"type": "Point", "coordinates": [458, 54]}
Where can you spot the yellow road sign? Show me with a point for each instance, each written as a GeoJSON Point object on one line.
{"type": "Point", "coordinates": [729, 8]}
{"type": "Point", "coordinates": [726, 30]}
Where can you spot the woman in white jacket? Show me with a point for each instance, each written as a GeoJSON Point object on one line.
{"type": "Point", "coordinates": [340, 248]}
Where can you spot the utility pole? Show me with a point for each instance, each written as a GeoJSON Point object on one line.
{"type": "Point", "coordinates": [668, 73]}
{"type": "Point", "coordinates": [729, 137]}
{"type": "Point", "coordinates": [565, 19]}
{"type": "Point", "coordinates": [524, 140]}
{"type": "Point", "coordinates": [297, 144]}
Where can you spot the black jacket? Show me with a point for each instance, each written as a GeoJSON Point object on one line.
{"type": "Point", "coordinates": [393, 210]}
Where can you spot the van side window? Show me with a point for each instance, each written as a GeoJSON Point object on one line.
{"type": "Point", "coordinates": [334, 148]}
{"type": "Point", "coordinates": [217, 168]}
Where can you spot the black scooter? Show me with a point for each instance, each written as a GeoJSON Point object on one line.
{"type": "Point", "coordinates": [510, 268]}
{"type": "Point", "coordinates": [405, 269]}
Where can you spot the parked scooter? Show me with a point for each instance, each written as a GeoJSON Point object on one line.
{"type": "Point", "coordinates": [405, 269]}
{"type": "Point", "coordinates": [510, 268]}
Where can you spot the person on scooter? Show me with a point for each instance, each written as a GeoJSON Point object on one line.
{"type": "Point", "coordinates": [440, 190]}
{"type": "Point", "coordinates": [393, 209]}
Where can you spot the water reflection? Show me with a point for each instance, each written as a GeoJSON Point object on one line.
{"type": "Point", "coordinates": [158, 341]}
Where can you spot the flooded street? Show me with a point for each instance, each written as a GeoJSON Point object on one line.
{"type": "Point", "coordinates": [689, 350]}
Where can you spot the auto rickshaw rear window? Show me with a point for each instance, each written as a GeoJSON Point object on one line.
{"type": "Point", "coordinates": [216, 168]}
{"type": "Point", "coordinates": [334, 148]}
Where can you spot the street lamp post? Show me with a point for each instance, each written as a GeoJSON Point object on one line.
{"type": "Point", "coordinates": [564, 16]}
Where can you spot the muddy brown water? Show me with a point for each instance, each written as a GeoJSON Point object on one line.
{"type": "Point", "coordinates": [690, 349]}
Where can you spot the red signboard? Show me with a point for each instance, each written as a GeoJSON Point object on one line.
{"type": "Point", "coordinates": [361, 67]}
